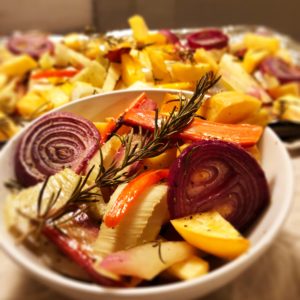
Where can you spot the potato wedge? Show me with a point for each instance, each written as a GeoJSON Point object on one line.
{"type": "Point", "coordinates": [211, 233]}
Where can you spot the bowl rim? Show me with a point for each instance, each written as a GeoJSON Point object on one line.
{"type": "Point", "coordinates": [46, 274]}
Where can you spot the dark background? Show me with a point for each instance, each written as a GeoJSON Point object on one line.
{"type": "Point", "coordinates": [70, 15]}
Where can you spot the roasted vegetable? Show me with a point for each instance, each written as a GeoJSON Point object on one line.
{"type": "Point", "coordinates": [56, 141]}
{"type": "Point", "coordinates": [230, 107]}
{"type": "Point", "coordinates": [146, 261]}
{"type": "Point", "coordinates": [211, 233]}
{"type": "Point", "coordinates": [210, 175]}
{"type": "Point", "coordinates": [130, 195]}
{"type": "Point", "coordinates": [31, 43]}
{"type": "Point", "coordinates": [208, 39]}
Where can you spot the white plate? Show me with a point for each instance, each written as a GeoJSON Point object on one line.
{"type": "Point", "coordinates": [275, 162]}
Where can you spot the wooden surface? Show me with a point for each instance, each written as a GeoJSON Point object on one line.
{"type": "Point", "coordinates": [275, 276]}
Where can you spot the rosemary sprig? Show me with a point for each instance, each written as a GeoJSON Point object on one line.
{"type": "Point", "coordinates": [158, 245]}
{"type": "Point", "coordinates": [153, 144]}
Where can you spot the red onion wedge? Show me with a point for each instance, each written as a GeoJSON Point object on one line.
{"type": "Point", "coordinates": [217, 175]}
{"type": "Point", "coordinates": [32, 43]}
{"type": "Point", "coordinates": [208, 39]}
{"type": "Point", "coordinates": [171, 37]}
{"type": "Point", "coordinates": [116, 54]}
{"type": "Point", "coordinates": [280, 69]}
{"type": "Point", "coordinates": [56, 141]}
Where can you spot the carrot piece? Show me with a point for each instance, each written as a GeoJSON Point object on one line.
{"type": "Point", "coordinates": [54, 73]}
{"type": "Point", "coordinates": [142, 102]}
{"type": "Point", "coordinates": [130, 194]}
{"type": "Point", "coordinates": [244, 134]}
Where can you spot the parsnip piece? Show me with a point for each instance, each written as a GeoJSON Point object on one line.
{"type": "Point", "coordinates": [188, 269]}
{"type": "Point", "coordinates": [148, 260]}
{"type": "Point", "coordinates": [94, 74]}
{"type": "Point", "coordinates": [234, 77]}
{"type": "Point", "coordinates": [113, 75]}
{"type": "Point", "coordinates": [130, 230]}
{"type": "Point", "coordinates": [26, 200]}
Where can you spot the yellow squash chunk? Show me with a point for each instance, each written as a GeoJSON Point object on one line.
{"type": "Point", "coordinates": [7, 127]}
{"type": "Point", "coordinates": [131, 70]}
{"type": "Point", "coordinates": [139, 28]}
{"type": "Point", "coordinates": [188, 269]}
{"type": "Point", "coordinates": [230, 107]}
{"type": "Point", "coordinates": [8, 96]}
{"type": "Point", "coordinates": [287, 108]}
{"type": "Point", "coordinates": [159, 68]}
{"type": "Point", "coordinates": [189, 86]}
{"type": "Point", "coordinates": [58, 95]}
{"type": "Point", "coordinates": [211, 233]}
{"type": "Point", "coordinates": [254, 151]}
{"type": "Point", "coordinates": [181, 148]}
{"type": "Point", "coordinates": [261, 117]}
{"type": "Point", "coordinates": [203, 56]}
{"type": "Point", "coordinates": [161, 161]}
{"type": "Point", "coordinates": [156, 39]}
{"type": "Point", "coordinates": [188, 72]}
{"type": "Point", "coordinates": [145, 61]}
{"type": "Point", "coordinates": [3, 80]}
{"type": "Point", "coordinates": [253, 58]}
{"type": "Point", "coordinates": [169, 102]}
{"type": "Point", "coordinates": [18, 65]}
{"type": "Point", "coordinates": [82, 89]}
{"type": "Point", "coordinates": [46, 61]}
{"type": "Point", "coordinates": [74, 41]}
{"type": "Point", "coordinates": [33, 104]}
{"type": "Point", "coordinates": [291, 88]}
{"type": "Point", "coordinates": [101, 126]}
{"type": "Point", "coordinates": [260, 42]}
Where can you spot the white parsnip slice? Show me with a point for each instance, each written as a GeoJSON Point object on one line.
{"type": "Point", "coordinates": [148, 260]}
{"type": "Point", "coordinates": [26, 200]}
{"type": "Point", "coordinates": [133, 229]}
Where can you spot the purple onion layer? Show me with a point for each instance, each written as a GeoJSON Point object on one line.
{"type": "Point", "coordinates": [56, 141]}
{"type": "Point", "coordinates": [217, 175]}
{"type": "Point", "coordinates": [32, 43]}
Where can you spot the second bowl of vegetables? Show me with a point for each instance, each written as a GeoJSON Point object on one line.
{"type": "Point", "coordinates": [156, 185]}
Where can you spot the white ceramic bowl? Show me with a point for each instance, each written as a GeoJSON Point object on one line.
{"type": "Point", "coordinates": [275, 162]}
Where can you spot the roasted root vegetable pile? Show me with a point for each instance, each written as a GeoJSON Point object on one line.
{"type": "Point", "coordinates": [39, 72]}
{"type": "Point", "coordinates": [151, 195]}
